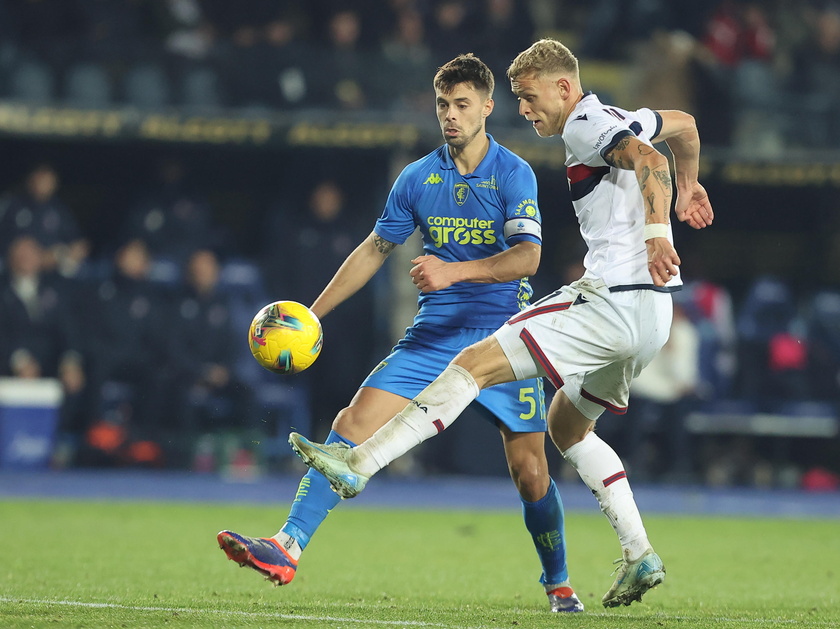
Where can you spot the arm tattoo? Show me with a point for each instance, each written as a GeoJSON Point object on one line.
{"type": "Point", "coordinates": [383, 246]}
{"type": "Point", "coordinates": [614, 158]}
{"type": "Point", "coordinates": [664, 178]}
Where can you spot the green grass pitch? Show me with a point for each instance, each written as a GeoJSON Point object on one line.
{"type": "Point", "coordinates": [127, 564]}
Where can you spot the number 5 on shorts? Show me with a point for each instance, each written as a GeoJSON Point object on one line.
{"type": "Point", "coordinates": [527, 395]}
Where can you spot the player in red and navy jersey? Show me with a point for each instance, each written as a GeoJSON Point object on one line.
{"type": "Point", "coordinates": [592, 337]}
{"type": "Point", "coordinates": [475, 205]}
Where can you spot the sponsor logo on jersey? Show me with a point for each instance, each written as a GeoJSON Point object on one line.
{"type": "Point", "coordinates": [433, 178]}
{"type": "Point", "coordinates": [461, 191]}
{"type": "Point", "coordinates": [527, 207]}
{"type": "Point", "coordinates": [488, 183]}
{"type": "Point", "coordinates": [463, 231]}
{"type": "Point", "coordinates": [608, 134]}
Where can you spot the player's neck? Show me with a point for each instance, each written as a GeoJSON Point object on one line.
{"type": "Point", "coordinates": [576, 97]}
{"type": "Point", "coordinates": [468, 157]}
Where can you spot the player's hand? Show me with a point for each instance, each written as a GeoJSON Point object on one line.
{"type": "Point", "coordinates": [662, 260]}
{"type": "Point", "coordinates": [693, 207]}
{"type": "Point", "coordinates": [429, 274]}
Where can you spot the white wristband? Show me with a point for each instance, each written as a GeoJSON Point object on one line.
{"type": "Point", "coordinates": [656, 230]}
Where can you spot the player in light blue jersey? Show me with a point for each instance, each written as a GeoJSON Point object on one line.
{"type": "Point", "coordinates": [475, 204]}
{"type": "Point", "coordinates": [591, 337]}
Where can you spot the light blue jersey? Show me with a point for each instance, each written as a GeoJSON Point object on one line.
{"type": "Point", "coordinates": [466, 217]}
{"type": "Point", "coordinates": [463, 217]}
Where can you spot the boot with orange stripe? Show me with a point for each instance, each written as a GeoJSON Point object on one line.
{"type": "Point", "coordinates": [264, 554]}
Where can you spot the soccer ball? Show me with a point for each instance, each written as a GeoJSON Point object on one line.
{"type": "Point", "coordinates": [285, 337]}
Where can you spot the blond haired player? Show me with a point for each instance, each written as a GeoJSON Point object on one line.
{"type": "Point", "coordinates": [592, 337]}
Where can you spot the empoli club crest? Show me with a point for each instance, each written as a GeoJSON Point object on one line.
{"type": "Point", "coordinates": [461, 191]}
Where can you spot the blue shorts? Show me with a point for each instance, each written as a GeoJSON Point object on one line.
{"type": "Point", "coordinates": [424, 353]}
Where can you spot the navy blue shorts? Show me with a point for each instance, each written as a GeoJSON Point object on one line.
{"type": "Point", "coordinates": [424, 353]}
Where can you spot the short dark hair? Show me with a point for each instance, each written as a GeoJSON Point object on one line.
{"type": "Point", "coordinates": [465, 69]}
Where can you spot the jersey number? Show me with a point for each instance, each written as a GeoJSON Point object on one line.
{"type": "Point", "coordinates": [526, 394]}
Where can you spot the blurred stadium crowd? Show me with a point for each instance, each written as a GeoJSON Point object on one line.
{"type": "Point", "coordinates": [765, 72]}
{"type": "Point", "coordinates": [147, 335]}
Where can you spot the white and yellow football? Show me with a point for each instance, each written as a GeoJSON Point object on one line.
{"type": "Point", "coordinates": [285, 337]}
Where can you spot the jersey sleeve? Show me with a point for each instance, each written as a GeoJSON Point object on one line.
{"type": "Point", "coordinates": [396, 223]}
{"type": "Point", "coordinates": [523, 222]}
{"type": "Point", "coordinates": [651, 122]}
{"type": "Point", "coordinates": [592, 135]}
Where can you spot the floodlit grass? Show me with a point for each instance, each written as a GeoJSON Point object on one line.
{"type": "Point", "coordinates": [127, 564]}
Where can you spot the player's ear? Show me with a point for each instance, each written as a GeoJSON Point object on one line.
{"type": "Point", "coordinates": [488, 107]}
{"type": "Point", "coordinates": [564, 86]}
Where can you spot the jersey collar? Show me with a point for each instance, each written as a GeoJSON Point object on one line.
{"type": "Point", "coordinates": [484, 169]}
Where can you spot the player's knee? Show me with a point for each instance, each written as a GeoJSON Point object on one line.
{"type": "Point", "coordinates": [530, 477]}
{"type": "Point", "coordinates": [352, 425]}
{"type": "Point", "coordinates": [565, 435]}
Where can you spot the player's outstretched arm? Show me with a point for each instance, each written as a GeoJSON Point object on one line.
{"type": "Point", "coordinates": [430, 273]}
{"type": "Point", "coordinates": [679, 130]}
{"type": "Point", "coordinates": [356, 271]}
{"type": "Point", "coordinates": [654, 177]}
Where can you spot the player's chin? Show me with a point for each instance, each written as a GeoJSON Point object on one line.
{"type": "Point", "coordinates": [542, 132]}
{"type": "Point", "coordinates": [455, 140]}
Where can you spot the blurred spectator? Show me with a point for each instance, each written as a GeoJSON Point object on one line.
{"type": "Point", "coordinates": [184, 29]}
{"type": "Point", "coordinates": [654, 441]}
{"type": "Point", "coordinates": [40, 335]}
{"type": "Point", "coordinates": [127, 335]}
{"type": "Point", "coordinates": [771, 356]}
{"type": "Point", "coordinates": [741, 44]}
{"type": "Point", "coordinates": [202, 348]}
{"type": "Point", "coordinates": [668, 84]}
{"type": "Point", "coordinates": [349, 83]}
{"type": "Point", "coordinates": [316, 244]}
{"type": "Point", "coordinates": [38, 212]}
{"type": "Point", "coordinates": [504, 26]}
{"type": "Point", "coordinates": [267, 65]}
{"type": "Point", "coordinates": [120, 33]}
{"type": "Point", "coordinates": [47, 29]}
{"type": "Point", "coordinates": [709, 306]}
{"type": "Point", "coordinates": [452, 30]}
{"type": "Point", "coordinates": [816, 81]}
{"type": "Point", "coordinates": [612, 27]}
{"type": "Point", "coordinates": [823, 319]}
{"type": "Point", "coordinates": [409, 62]}
{"type": "Point", "coordinates": [172, 219]}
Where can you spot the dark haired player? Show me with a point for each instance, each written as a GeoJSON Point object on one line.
{"type": "Point", "coordinates": [475, 204]}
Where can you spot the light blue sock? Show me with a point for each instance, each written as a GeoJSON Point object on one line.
{"type": "Point", "coordinates": [544, 520]}
{"type": "Point", "coordinates": [313, 501]}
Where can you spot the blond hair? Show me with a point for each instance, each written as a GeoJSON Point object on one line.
{"type": "Point", "coordinates": [546, 56]}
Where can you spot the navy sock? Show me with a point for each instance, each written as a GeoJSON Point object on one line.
{"type": "Point", "coordinates": [313, 501]}
{"type": "Point", "coordinates": [544, 520]}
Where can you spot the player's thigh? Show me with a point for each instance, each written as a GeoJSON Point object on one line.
{"type": "Point", "coordinates": [486, 362]}
{"type": "Point", "coordinates": [642, 319]}
{"type": "Point", "coordinates": [369, 410]}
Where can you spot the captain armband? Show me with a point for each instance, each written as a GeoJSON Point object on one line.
{"type": "Point", "coordinates": [519, 226]}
